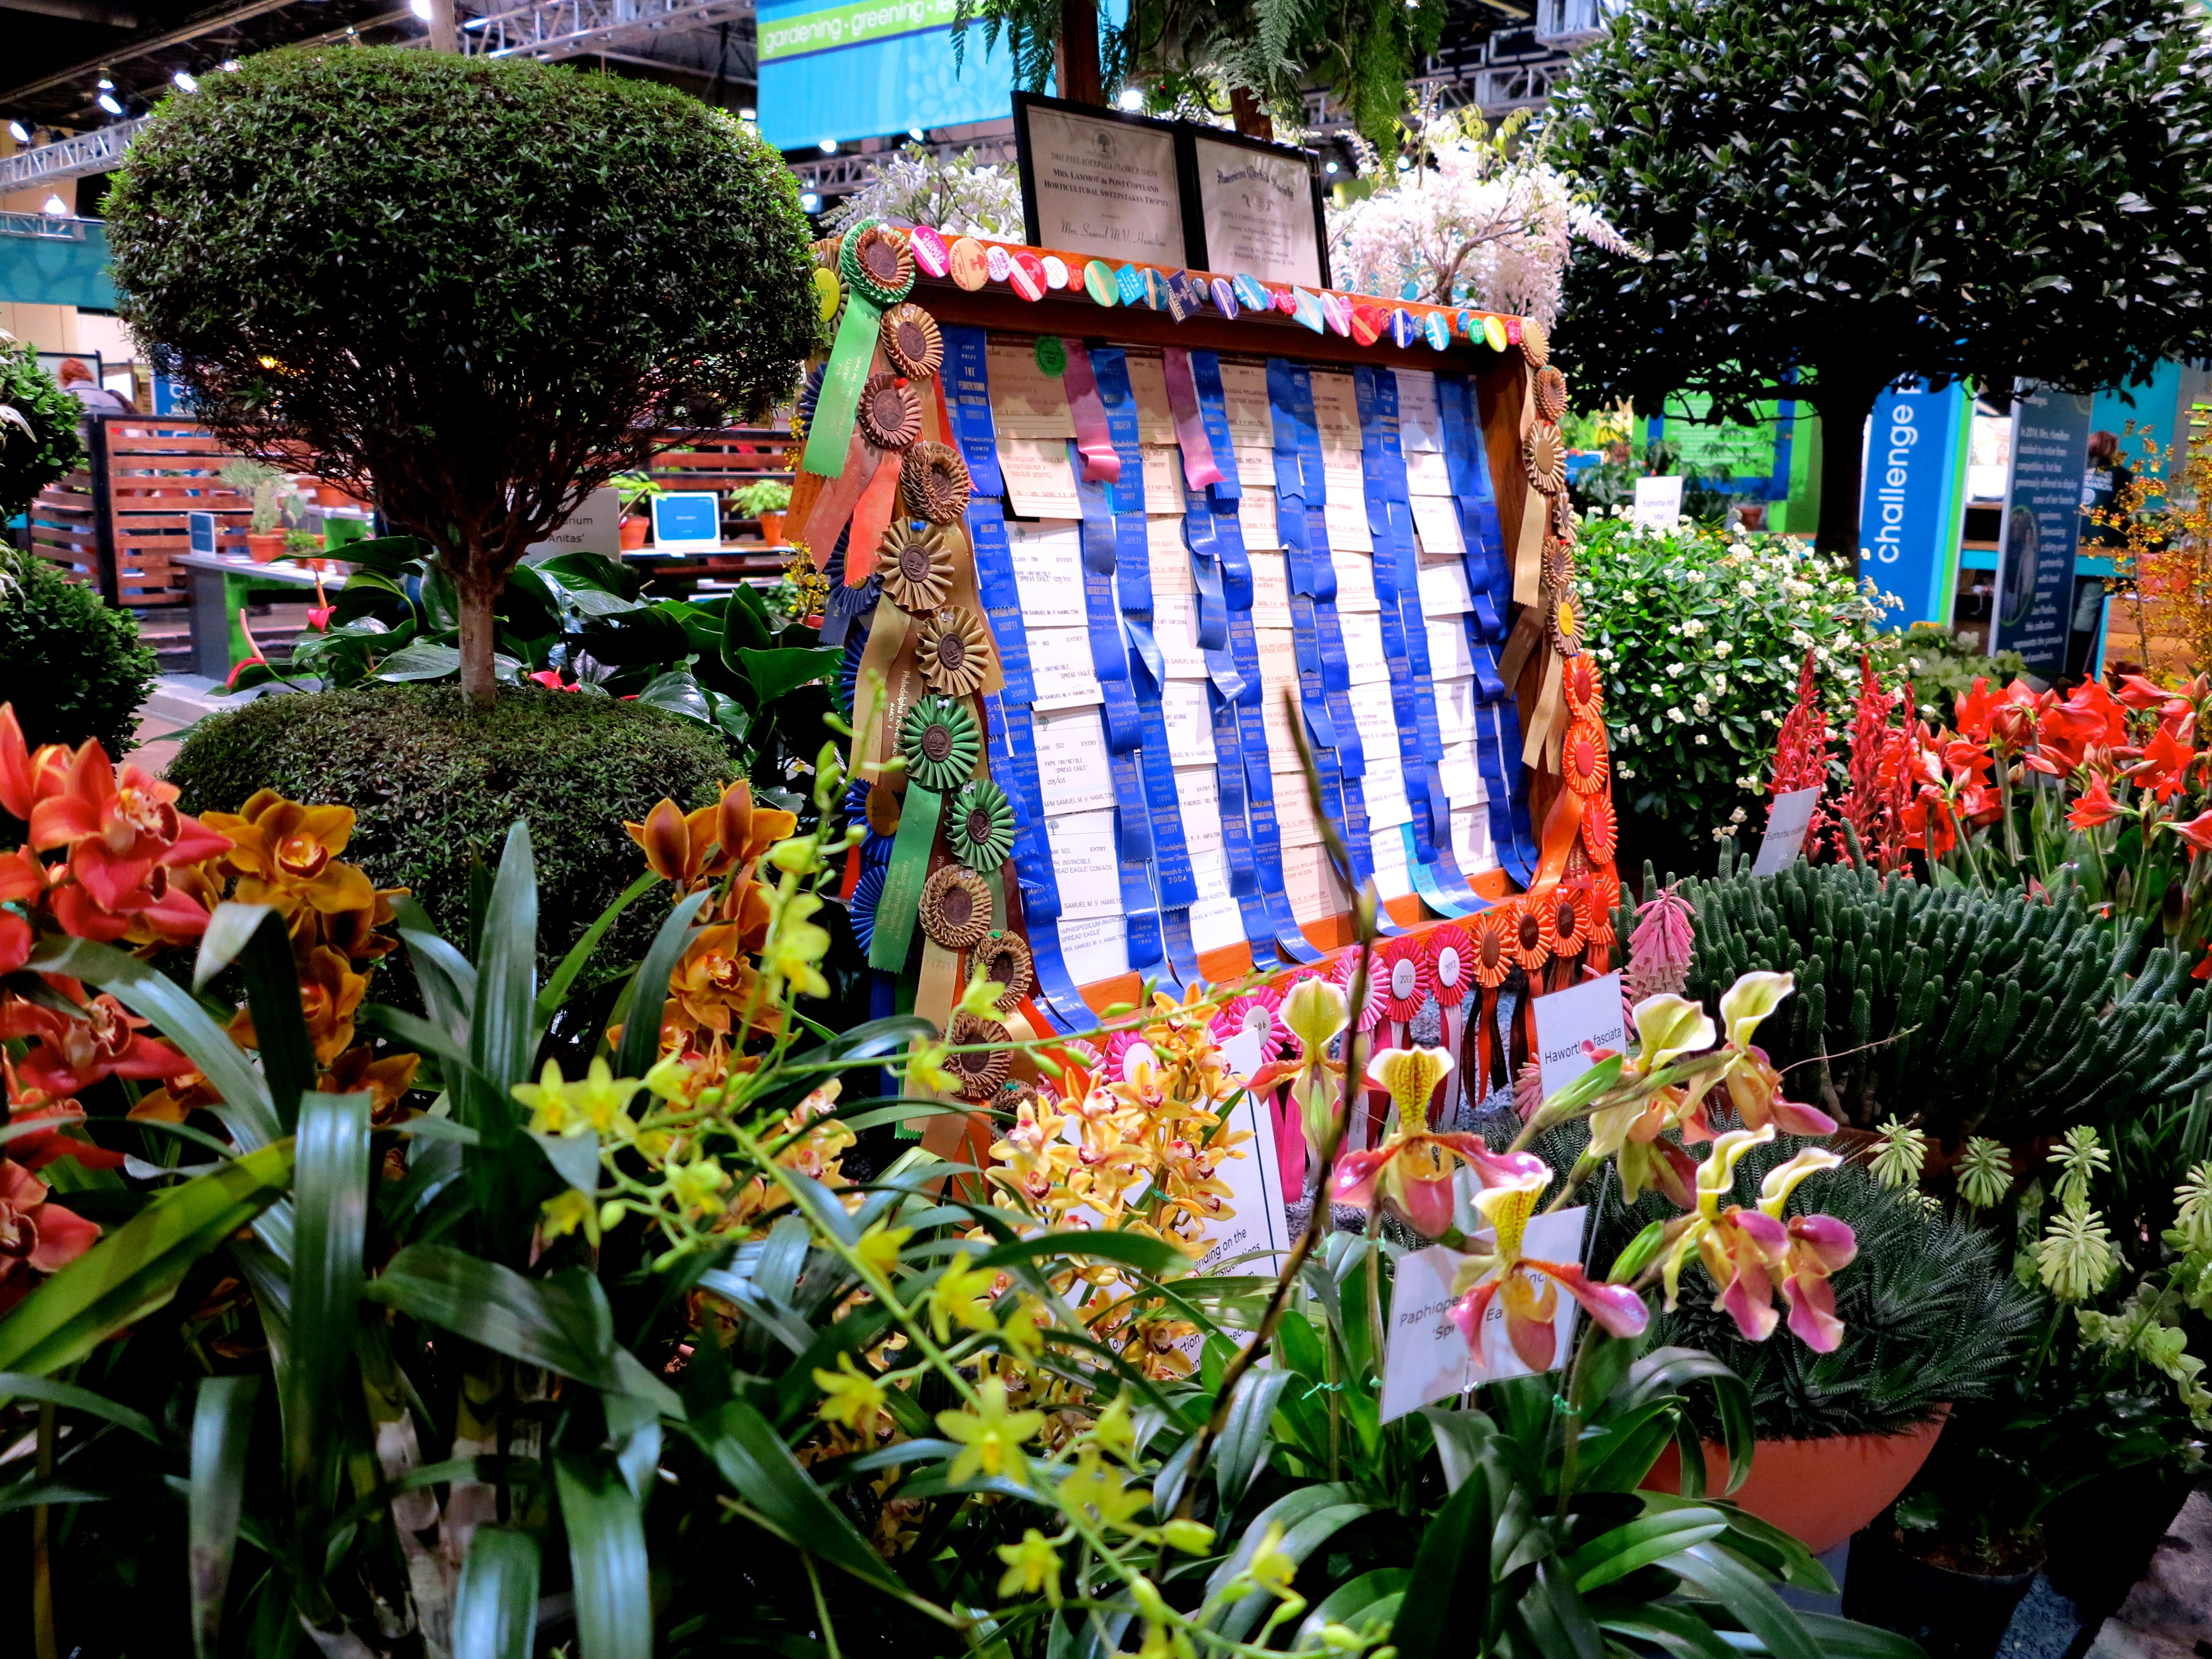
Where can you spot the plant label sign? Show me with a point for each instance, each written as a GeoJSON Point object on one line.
{"type": "Point", "coordinates": [1658, 501]}
{"type": "Point", "coordinates": [1787, 820]}
{"type": "Point", "coordinates": [1425, 1357]}
{"type": "Point", "coordinates": [1258, 1223]}
{"type": "Point", "coordinates": [1566, 1020]}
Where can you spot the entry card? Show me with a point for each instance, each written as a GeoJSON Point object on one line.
{"type": "Point", "coordinates": [1311, 883]}
{"type": "Point", "coordinates": [1271, 589]}
{"type": "Point", "coordinates": [1245, 395]}
{"type": "Point", "coordinates": [1426, 1359]}
{"type": "Point", "coordinates": [1074, 772]}
{"type": "Point", "coordinates": [1189, 720]}
{"type": "Point", "coordinates": [1162, 477]}
{"type": "Point", "coordinates": [1085, 864]}
{"type": "Point", "coordinates": [1436, 521]}
{"type": "Point", "coordinates": [1787, 819]}
{"type": "Point", "coordinates": [1344, 518]}
{"type": "Point", "coordinates": [1047, 558]}
{"type": "Point", "coordinates": [1472, 847]}
{"type": "Point", "coordinates": [1198, 793]}
{"type": "Point", "coordinates": [1025, 402]}
{"type": "Point", "coordinates": [1364, 657]}
{"type": "Point", "coordinates": [1094, 947]}
{"type": "Point", "coordinates": [1393, 878]}
{"type": "Point", "coordinates": [1590, 1012]}
{"type": "Point", "coordinates": [1444, 588]}
{"type": "Point", "coordinates": [1148, 382]}
{"type": "Point", "coordinates": [1256, 1229]}
{"type": "Point", "coordinates": [1420, 428]}
{"type": "Point", "coordinates": [1355, 577]}
{"type": "Point", "coordinates": [1428, 474]}
{"type": "Point", "coordinates": [1255, 518]}
{"type": "Point", "coordinates": [1060, 665]}
{"type": "Point", "coordinates": [1040, 482]}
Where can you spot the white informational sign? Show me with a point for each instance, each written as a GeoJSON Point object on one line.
{"type": "Point", "coordinates": [1565, 1020]}
{"type": "Point", "coordinates": [1256, 1194]}
{"type": "Point", "coordinates": [1787, 819]}
{"type": "Point", "coordinates": [1658, 501]}
{"type": "Point", "coordinates": [594, 527]}
{"type": "Point", "coordinates": [1257, 206]}
{"type": "Point", "coordinates": [1426, 1358]}
{"type": "Point", "coordinates": [687, 521]}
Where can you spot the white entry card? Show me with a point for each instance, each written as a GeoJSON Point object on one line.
{"type": "Point", "coordinates": [1787, 819]}
{"type": "Point", "coordinates": [1256, 1194]}
{"type": "Point", "coordinates": [1565, 1020]}
{"type": "Point", "coordinates": [1426, 1359]}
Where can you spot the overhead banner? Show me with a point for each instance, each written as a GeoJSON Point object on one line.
{"type": "Point", "coordinates": [2042, 528]}
{"type": "Point", "coordinates": [1910, 506]}
{"type": "Point", "coordinates": [830, 71]}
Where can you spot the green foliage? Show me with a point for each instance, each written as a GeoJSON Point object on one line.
{"type": "Point", "coordinates": [1962, 1012]}
{"type": "Point", "coordinates": [1186, 53]}
{"type": "Point", "coordinates": [39, 440]}
{"type": "Point", "coordinates": [1700, 634]}
{"type": "Point", "coordinates": [1942, 666]}
{"type": "Point", "coordinates": [71, 663]}
{"type": "Point", "coordinates": [769, 496]}
{"type": "Point", "coordinates": [489, 330]}
{"type": "Point", "coordinates": [1931, 1314]}
{"type": "Point", "coordinates": [435, 785]}
{"type": "Point", "coordinates": [1967, 188]}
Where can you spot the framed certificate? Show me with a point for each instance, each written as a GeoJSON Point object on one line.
{"type": "Point", "coordinates": [1100, 183]}
{"type": "Point", "coordinates": [1258, 209]}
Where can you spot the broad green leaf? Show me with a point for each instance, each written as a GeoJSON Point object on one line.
{"type": "Point", "coordinates": [775, 673]}
{"type": "Point", "coordinates": [772, 1488]}
{"type": "Point", "coordinates": [1553, 1613]}
{"type": "Point", "coordinates": [677, 692]}
{"type": "Point", "coordinates": [644, 635]}
{"type": "Point", "coordinates": [1365, 1603]}
{"type": "Point", "coordinates": [1715, 1573]}
{"type": "Point", "coordinates": [745, 628]}
{"type": "Point", "coordinates": [136, 1268]}
{"type": "Point", "coordinates": [1155, 1257]}
{"type": "Point", "coordinates": [227, 931]}
{"type": "Point", "coordinates": [16, 1385]}
{"type": "Point", "coordinates": [606, 1559]}
{"type": "Point", "coordinates": [223, 1430]}
{"type": "Point", "coordinates": [1452, 1565]}
{"type": "Point", "coordinates": [502, 1033]}
{"type": "Point", "coordinates": [495, 1609]}
{"type": "Point", "coordinates": [280, 1026]}
{"type": "Point", "coordinates": [1844, 1639]}
{"type": "Point", "coordinates": [246, 1109]}
{"type": "Point", "coordinates": [331, 1219]}
{"type": "Point", "coordinates": [1241, 1452]}
{"type": "Point", "coordinates": [1300, 1540]}
{"type": "Point", "coordinates": [641, 1038]}
{"type": "Point", "coordinates": [425, 659]}
{"type": "Point", "coordinates": [562, 1324]}
{"type": "Point", "coordinates": [393, 553]}
{"type": "Point", "coordinates": [1632, 1548]}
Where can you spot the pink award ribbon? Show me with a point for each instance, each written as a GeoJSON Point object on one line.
{"type": "Point", "coordinates": [1092, 441]}
{"type": "Point", "coordinates": [1199, 469]}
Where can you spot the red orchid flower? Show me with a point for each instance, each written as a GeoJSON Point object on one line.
{"type": "Point", "coordinates": [121, 835]}
{"type": "Point", "coordinates": [69, 1054]}
{"type": "Point", "coordinates": [24, 777]}
{"type": "Point", "coordinates": [35, 1150]}
{"type": "Point", "coordinates": [36, 1237]}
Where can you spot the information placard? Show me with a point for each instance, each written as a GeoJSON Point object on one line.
{"type": "Point", "coordinates": [1260, 210]}
{"type": "Point", "coordinates": [1097, 182]}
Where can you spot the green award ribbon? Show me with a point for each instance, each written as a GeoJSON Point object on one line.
{"type": "Point", "coordinates": [878, 272]}
{"type": "Point", "coordinates": [940, 743]}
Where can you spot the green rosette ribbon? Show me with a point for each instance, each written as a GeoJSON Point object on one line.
{"type": "Point", "coordinates": [981, 830]}
{"type": "Point", "coordinates": [939, 743]}
{"type": "Point", "coordinates": [878, 273]}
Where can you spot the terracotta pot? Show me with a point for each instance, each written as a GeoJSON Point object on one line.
{"type": "Point", "coordinates": [633, 533]}
{"type": "Point", "coordinates": [771, 526]}
{"type": "Point", "coordinates": [331, 496]}
{"type": "Point", "coordinates": [1820, 1492]}
{"type": "Point", "coordinates": [266, 546]}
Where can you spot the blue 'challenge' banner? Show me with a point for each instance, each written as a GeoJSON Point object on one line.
{"type": "Point", "coordinates": [832, 71]}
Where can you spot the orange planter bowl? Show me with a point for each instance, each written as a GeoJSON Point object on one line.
{"type": "Point", "coordinates": [1820, 1492]}
{"type": "Point", "coordinates": [265, 547]}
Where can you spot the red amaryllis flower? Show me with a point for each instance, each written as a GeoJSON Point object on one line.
{"type": "Point", "coordinates": [2167, 759]}
{"type": "Point", "coordinates": [2197, 832]}
{"type": "Point", "coordinates": [1970, 712]}
{"type": "Point", "coordinates": [36, 1237]}
{"type": "Point", "coordinates": [69, 1054]}
{"type": "Point", "coordinates": [1451, 967]}
{"type": "Point", "coordinates": [1929, 824]}
{"type": "Point", "coordinates": [2093, 807]}
{"type": "Point", "coordinates": [2136, 692]}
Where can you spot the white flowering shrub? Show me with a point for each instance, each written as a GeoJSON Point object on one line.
{"type": "Point", "coordinates": [1465, 216]}
{"type": "Point", "coordinates": [1700, 634]}
{"type": "Point", "coordinates": [957, 196]}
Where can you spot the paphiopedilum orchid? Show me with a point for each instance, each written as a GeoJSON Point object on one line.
{"type": "Point", "coordinates": [1526, 1288]}
{"type": "Point", "coordinates": [1315, 1011]}
{"type": "Point", "coordinates": [1752, 1254]}
{"type": "Point", "coordinates": [1411, 1172]}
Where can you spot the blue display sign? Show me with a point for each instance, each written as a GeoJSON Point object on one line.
{"type": "Point", "coordinates": [1908, 504]}
{"type": "Point", "coordinates": [831, 70]}
{"type": "Point", "coordinates": [2042, 529]}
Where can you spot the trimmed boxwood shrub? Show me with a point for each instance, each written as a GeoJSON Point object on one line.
{"type": "Point", "coordinates": [39, 439]}
{"type": "Point", "coordinates": [70, 663]}
{"type": "Point", "coordinates": [434, 783]}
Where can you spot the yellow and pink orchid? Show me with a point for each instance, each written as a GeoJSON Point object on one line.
{"type": "Point", "coordinates": [1752, 1254]}
{"type": "Point", "coordinates": [1411, 1172]}
{"type": "Point", "coordinates": [1529, 1289]}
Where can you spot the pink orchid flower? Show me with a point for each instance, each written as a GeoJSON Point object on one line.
{"type": "Point", "coordinates": [1752, 1253]}
{"type": "Point", "coordinates": [1529, 1289]}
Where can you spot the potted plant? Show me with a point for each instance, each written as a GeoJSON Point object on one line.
{"type": "Point", "coordinates": [637, 492]}
{"type": "Point", "coordinates": [767, 500]}
{"type": "Point", "coordinates": [1931, 1320]}
{"type": "Point", "coordinates": [265, 532]}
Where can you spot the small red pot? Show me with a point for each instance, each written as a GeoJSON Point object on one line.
{"type": "Point", "coordinates": [1819, 1491]}
{"type": "Point", "coordinates": [771, 526]}
{"type": "Point", "coordinates": [633, 533]}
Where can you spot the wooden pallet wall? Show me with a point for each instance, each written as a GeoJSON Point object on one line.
{"type": "Point", "coordinates": [118, 522]}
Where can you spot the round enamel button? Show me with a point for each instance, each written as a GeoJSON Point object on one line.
{"type": "Point", "coordinates": [971, 267]}
{"type": "Point", "coordinates": [929, 251]}
{"type": "Point", "coordinates": [998, 262]}
{"type": "Point", "coordinates": [1055, 271]}
{"type": "Point", "coordinates": [1224, 297]}
{"type": "Point", "coordinates": [1101, 284]}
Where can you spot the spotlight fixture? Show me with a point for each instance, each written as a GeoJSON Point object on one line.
{"type": "Point", "coordinates": [1331, 167]}
{"type": "Point", "coordinates": [186, 81]}
{"type": "Point", "coordinates": [56, 207]}
{"type": "Point", "coordinates": [917, 135]}
{"type": "Point", "coordinates": [19, 132]}
{"type": "Point", "coordinates": [105, 84]}
{"type": "Point", "coordinates": [419, 8]}
{"type": "Point", "coordinates": [829, 146]}
{"type": "Point", "coordinates": [810, 202]}
{"type": "Point", "coordinates": [1130, 98]}
{"type": "Point", "coordinates": [106, 101]}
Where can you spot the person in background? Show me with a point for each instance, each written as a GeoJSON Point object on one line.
{"type": "Point", "coordinates": [76, 380]}
{"type": "Point", "coordinates": [2101, 487]}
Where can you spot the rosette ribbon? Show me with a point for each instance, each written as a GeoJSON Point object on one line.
{"type": "Point", "coordinates": [940, 743]}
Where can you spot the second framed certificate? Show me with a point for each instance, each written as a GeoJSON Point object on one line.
{"type": "Point", "coordinates": [1257, 209]}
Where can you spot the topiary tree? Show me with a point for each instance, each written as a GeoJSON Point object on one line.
{"type": "Point", "coordinates": [1836, 197]}
{"type": "Point", "coordinates": [39, 440]}
{"type": "Point", "coordinates": [478, 286]}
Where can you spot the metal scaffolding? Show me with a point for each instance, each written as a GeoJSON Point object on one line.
{"type": "Point", "coordinates": [70, 158]}
{"type": "Point", "coordinates": [570, 29]}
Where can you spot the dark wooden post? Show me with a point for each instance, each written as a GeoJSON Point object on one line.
{"type": "Point", "coordinates": [1076, 68]}
{"type": "Point", "coordinates": [1252, 120]}
{"type": "Point", "coordinates": [103, 511]}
